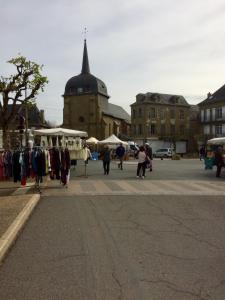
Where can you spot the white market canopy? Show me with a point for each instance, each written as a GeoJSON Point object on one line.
{"type": "Point", "coordinates": [92, 140]}
{"type": "Point", "coordinates": [112, 140]}
{"type": "Point", "coordinates": [217, 141]}
{"type": "Point", "coordinates": [60, 132]}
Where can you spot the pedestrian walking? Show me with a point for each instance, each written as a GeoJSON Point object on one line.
{"type": "Point", "coordinates": [141, 163]}
{"type": "Point", "coordinates": [219, 160]}
{"type": "Point", "coordinates": [120, 152]}
{"type": "Point", "coordinates": [202, 153]}
{"type": "Point", "coordinates": [106, 158]}
{"type": "Point", "coordinates": [148, 151]}
{"type": "Point", "coordinates": [88, 153]}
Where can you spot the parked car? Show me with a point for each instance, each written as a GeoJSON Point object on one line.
{"type": "Point", "coordinates": [163, 153]}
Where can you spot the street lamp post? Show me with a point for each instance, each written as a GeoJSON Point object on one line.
{"type": "Point", "coordinates": [147, 130]}
{"type": "Point", "coordinates": [26, 118]}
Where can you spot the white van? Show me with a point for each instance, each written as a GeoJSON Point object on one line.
{"type": "Point", "coordinates": [163, 153]}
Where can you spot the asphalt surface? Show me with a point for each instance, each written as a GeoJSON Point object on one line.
{"type": "Point", "coordinates": [166, 169]}
{"type": "Point", "coordinates": [111, 247]}
{"type": "Point", "coordinates": [164, 246]}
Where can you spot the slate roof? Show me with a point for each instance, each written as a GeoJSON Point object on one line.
{"type": "Point", "coordinates": [161, 99]}
{"type": "Point", "coordinates": [34, 116]}
{"type": "Point", "coordinates": [218, 96]}
{"type": "Point", "coordinates": [85, 82]}
{"type": "Point", "coordinates": [116, 111]}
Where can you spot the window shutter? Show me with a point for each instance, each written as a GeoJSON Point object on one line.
{"type": "Point", "coordinates": [202, 115]}
{"type": "Point", "coordinates": [223, 112]}
{"type": "Point", "coordinates": [208, 114]}
{"type": "Point", "coordinates": [213, 114]}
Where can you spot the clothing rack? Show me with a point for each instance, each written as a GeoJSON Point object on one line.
{"type": "Point", "coordinates": [29, 164]}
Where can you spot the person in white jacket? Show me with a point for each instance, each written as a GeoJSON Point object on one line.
{"type": "Point", "coordinates": [141, 163]}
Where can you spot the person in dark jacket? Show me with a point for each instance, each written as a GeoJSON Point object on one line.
{"type": "Point", "coordinates": [148, 151]}
{"type": "Point", "coordinates": [106, 158]}
{"type": "Point", "coordinates": [219, 160]}
{"type": "Point", "coordinates": [202, 153]}
{"type": "Point", "coordinates": [120, 151]}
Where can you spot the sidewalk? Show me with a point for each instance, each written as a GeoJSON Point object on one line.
{"type": "Point", "coordinates": [16, 205]}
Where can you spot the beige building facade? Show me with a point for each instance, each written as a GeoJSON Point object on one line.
{"type": "Point", "coordinates": [160, 117]}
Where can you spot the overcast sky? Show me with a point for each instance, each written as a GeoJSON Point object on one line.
{"type": "Point", "coordinates": [134, 46]}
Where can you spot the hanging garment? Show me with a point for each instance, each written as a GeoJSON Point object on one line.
{"type": "Point", "coordinates": [47, 162]}
{"type": "Point", "coordinates": [16, 166]}
{"type": "Point", "coordinates": [55, 163]}
{"type": "Point", "coordinates": [2, 170]}
{"type": "Point", "coordinates": [65, 165]}
{"type": "Point", "coordinates": [23, 168]}
{"type": "Point", "coordinates": [7, 162]}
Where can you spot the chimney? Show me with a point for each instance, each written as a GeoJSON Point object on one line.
{"type": "Point", "coordinates": [209, 95]}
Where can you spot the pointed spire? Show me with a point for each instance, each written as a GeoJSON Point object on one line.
{"type": "Point", "coordinates": [85, 64]}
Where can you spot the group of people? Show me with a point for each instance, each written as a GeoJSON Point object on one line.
{"type": "Point", "coordinates": [144, 160]}
{"type": "Point", "coordinates": [106, 156]}
{"type": "Point", "coordinates": [144, 157]}
{"type": "Point", "coordinates": [218, 158]}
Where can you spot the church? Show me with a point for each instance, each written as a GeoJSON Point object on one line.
{"type": "Point", "coordinates": [87, 107]}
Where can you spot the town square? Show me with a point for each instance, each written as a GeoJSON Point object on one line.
{"type": "Point", "coordinates": [112, 150]}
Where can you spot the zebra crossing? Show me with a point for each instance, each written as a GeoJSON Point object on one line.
{"type": "Point", "coordinates": [138, 187]}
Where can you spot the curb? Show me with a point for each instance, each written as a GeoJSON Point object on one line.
{"type": "Point", "coordinates": [10, 236]}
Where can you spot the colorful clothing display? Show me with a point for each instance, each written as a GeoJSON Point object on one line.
{"type": "Point", "coordinates": [36, 163]}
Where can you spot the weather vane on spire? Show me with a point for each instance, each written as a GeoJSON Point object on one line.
{"type": "Point", "coordinates": [85, 33]}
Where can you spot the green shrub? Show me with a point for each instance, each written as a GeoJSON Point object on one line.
{"type": "Point", "coordinates": [176, 157]}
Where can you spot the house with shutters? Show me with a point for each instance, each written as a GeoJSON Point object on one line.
{"type": "Point", "coordinates": [212, 114]}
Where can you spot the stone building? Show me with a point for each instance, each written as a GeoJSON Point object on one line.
{"type": "Point", "coordinates": [212, 114]}
{"type": "Point", "coordinates": [87, 107]}
{"type": "Point", "coordinates": [35, 120]}
{"type": "Point", "coordinates": [161, 119]}
{"type": "Point", "coordinates": [194, 129]}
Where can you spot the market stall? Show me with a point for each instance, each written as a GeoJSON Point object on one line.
{"type": "Point", "coordinates": [60, 136]}
{"type": "Point", "coordinates": [113, 140]}
{"type": "Point", "coordinates": [63, 137]}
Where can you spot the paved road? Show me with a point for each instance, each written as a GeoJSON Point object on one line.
{"type": "Point", "coordinates": [123, 240]}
